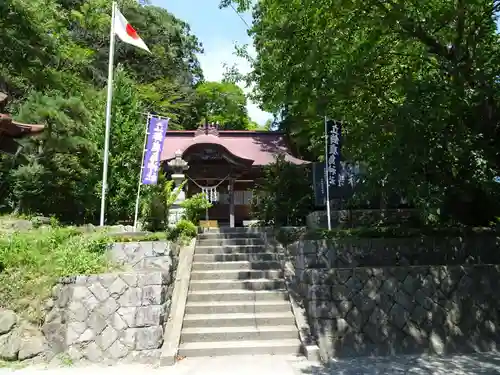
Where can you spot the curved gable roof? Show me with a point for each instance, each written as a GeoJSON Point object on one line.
{"type": "Point", "coordinates": [259, 147]}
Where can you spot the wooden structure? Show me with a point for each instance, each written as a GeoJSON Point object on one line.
{"type": "Point", "coordinates": [224, 164]}
{"type": "Point", "coordinates": [11, 130]}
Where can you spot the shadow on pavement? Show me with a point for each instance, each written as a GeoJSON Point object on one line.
{"type": "Point", "coordinates": [480, 363]}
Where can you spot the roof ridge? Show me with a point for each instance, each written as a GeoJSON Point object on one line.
{"type": "Point", "coordinates": [222, 132]}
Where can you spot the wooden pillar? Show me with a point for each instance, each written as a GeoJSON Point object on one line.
{"type": "Point", "coordinates": [231, 202]}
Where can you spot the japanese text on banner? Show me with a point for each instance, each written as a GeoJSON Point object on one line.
{"type": "Point", "coordinates": [334, 145]}
{"type": "Point", "coordinates": [154, 146]}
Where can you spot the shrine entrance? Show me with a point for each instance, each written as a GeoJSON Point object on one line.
{"type": "Point", "coordinates": [225, 165]}
{"type": "Point", "coordinates": [213, 170]}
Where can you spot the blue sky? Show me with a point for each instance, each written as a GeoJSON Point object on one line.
{"type": "Point", "coordinates": [218, 30]}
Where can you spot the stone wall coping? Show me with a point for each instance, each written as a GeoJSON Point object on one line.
{"type": "Point", "coordinates": [309, 347]}
{"type": "Point", "coordinates": [129, 234]}
{"type": "Point", "coordinates": [173, 327]}
{"type": "Point", "coordinates": [397, 240]}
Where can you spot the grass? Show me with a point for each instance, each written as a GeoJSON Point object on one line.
{"type": "Point", "coordinates": [157, 236]}
{"type": "Point", "coordinates": [32, 261]}
{"type": "Point", "coordinates": [12, 365]}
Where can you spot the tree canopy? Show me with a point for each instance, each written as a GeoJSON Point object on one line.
{"type": "Point", "coordinates": [415, 83]}
{"type": "Point", "coordinates": [54, 68]}
{"type": "Point", "coordinates": [223, 102]}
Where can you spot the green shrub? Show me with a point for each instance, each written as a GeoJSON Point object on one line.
{"type": "Point", "coordinates": [284, 196]}
{"type": "Point", "coordinates": [31, 262]}
{"type": "Point", "coordinates": [183, 231]}
{"type": "Point", "coordinates": [156, 202]}
{"type": "Point", "coordinates": [124, 237]}
{"type": "Point", "coordinates": [194, 207]}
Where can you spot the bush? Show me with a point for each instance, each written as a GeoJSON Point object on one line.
{"type": "Point", "coordinates": [156, 202]}
{"type": "Point", "coordinates": [194, 207]}
{"type": "Point", "coordinates": [31, 262]}
{"type": "Point", "coordinates": [284, 196]}
{"type": "Point", "coordinates": [183, 231]}
{"type": "Point", "coordinates": [124, 237]}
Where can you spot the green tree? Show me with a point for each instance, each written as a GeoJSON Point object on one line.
{"type": "Point", "coordinates": [55, 174]}
{"type": "Point", "coordinates": [416, 85]}
{"type": "Point", "coordinates": [38, 53]}
{"type": "Point", "coordinates": [126, 143]}
{"type": "Point", "coordinates": [54, 67]}
{"type": "Point", "coordinates": [172, 45]}
{"type": "Point", "coordinates": [170, 99]}
{"type": "Point", "coordinates": [223, 102]}
{"type": "Point", "coordinates": [284, 195]}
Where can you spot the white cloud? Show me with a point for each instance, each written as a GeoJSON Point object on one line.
{"type": "Point", "coordinates": [212, 62]}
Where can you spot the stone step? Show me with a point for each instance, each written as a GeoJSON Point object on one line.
{"type": "Point", "coordinates": [211, 236]}
{"type": "Point", "coordinates": [229, 249]}
{"type": "Point", "coordinates": [236, 257]}
{"type": "Point", "coordinates": [249, 284]}
{"type": "Point", "coordinates": [228, 230]}
{"type": "Point", "coordinates": [230, 241]}
{"type": "Point", "coordinates": [237, 307]}
{"type": "Point", "coordinates": [238, 320]}
{"type": "Point", "coordinates": [236, 274]}
{"type": "Point", "coordinates": [203, 334]}
{"type": "Point", "coordinates": [251, 347]}
{"type": "Point", "coordinates": [236, 265]}
{"type": "Point", "coordinates": [237, 295]}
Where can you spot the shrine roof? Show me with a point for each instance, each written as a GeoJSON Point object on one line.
{"type": "Point", "coordinates": [259, 147]}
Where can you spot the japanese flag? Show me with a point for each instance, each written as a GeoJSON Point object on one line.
{"type": "Point", "coordinates": [126, 32]}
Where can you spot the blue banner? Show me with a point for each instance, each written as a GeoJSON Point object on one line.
{"type": "Point", "coordinates": [334, 134]}
{"type": "Point", "coordinates": [154, 145]}
{"type": "Point", "coordinates": [348, 176]}
{"type": "Point", "coordinates": [319, 184]}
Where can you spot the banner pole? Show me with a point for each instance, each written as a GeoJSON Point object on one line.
{"type": "Point", "coordinates": [140, 172]}
{"type": "Point", "coordinates": [328, 213]}
{"type": "Point", "coordinates": [109, 103]}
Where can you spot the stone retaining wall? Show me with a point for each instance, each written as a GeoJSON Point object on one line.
{"type": "Point", "coordinates": [150, 255]}
{"type": "Point", "coordinates": [101, 318]}
{"type": "Point", "coordinates": [117, 316]}
{"type": "Point", "coordinates": [109, 316]}
{"type": "Point", "coordinates": [319, 219]}
{"type": "Point", "coordinates": [403, 310]}
{"type": "Point", "coordinates": [385, 252]}
{"type": "Point", "coordinates": [20, 340]}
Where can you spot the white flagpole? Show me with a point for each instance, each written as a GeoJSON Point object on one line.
{"type": "Point", "coordinates": [328, 213]}
{"type": "Point", "coordinates": [108, 115]}
{"type": "Point", "coordinates": [140, 173]}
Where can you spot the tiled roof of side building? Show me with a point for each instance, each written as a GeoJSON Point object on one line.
{"type": "Point", "coordinates": [16, 129]}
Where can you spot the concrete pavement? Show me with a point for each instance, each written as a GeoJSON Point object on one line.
{"type": "Point", "coordinates": [481, 364]}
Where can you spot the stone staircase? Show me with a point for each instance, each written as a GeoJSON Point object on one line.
{"type": "Point", "coordinates": [237, 301]}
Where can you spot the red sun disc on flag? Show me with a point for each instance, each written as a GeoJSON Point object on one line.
{"type": "Point", "coordinates": [131, 32]}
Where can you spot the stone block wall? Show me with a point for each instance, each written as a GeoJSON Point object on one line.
{"type": "Point", "coordinates": [150, 255]}
{"type": "Point", "coordinates": [116, 316]}
{"type": "Point", "coordinates": [403, 310]}
{"type": "Point", "coordinates": [109, 317]}
{"type": "Point", "coordinates": [319, 219]}
{"type": "Point", "coordinates": [386, 252]}
{"type": "Point", "coordinates": [20, 340]}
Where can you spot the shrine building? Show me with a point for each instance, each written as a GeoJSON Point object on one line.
{"type": "Point", "coordinates": [225, 164]}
